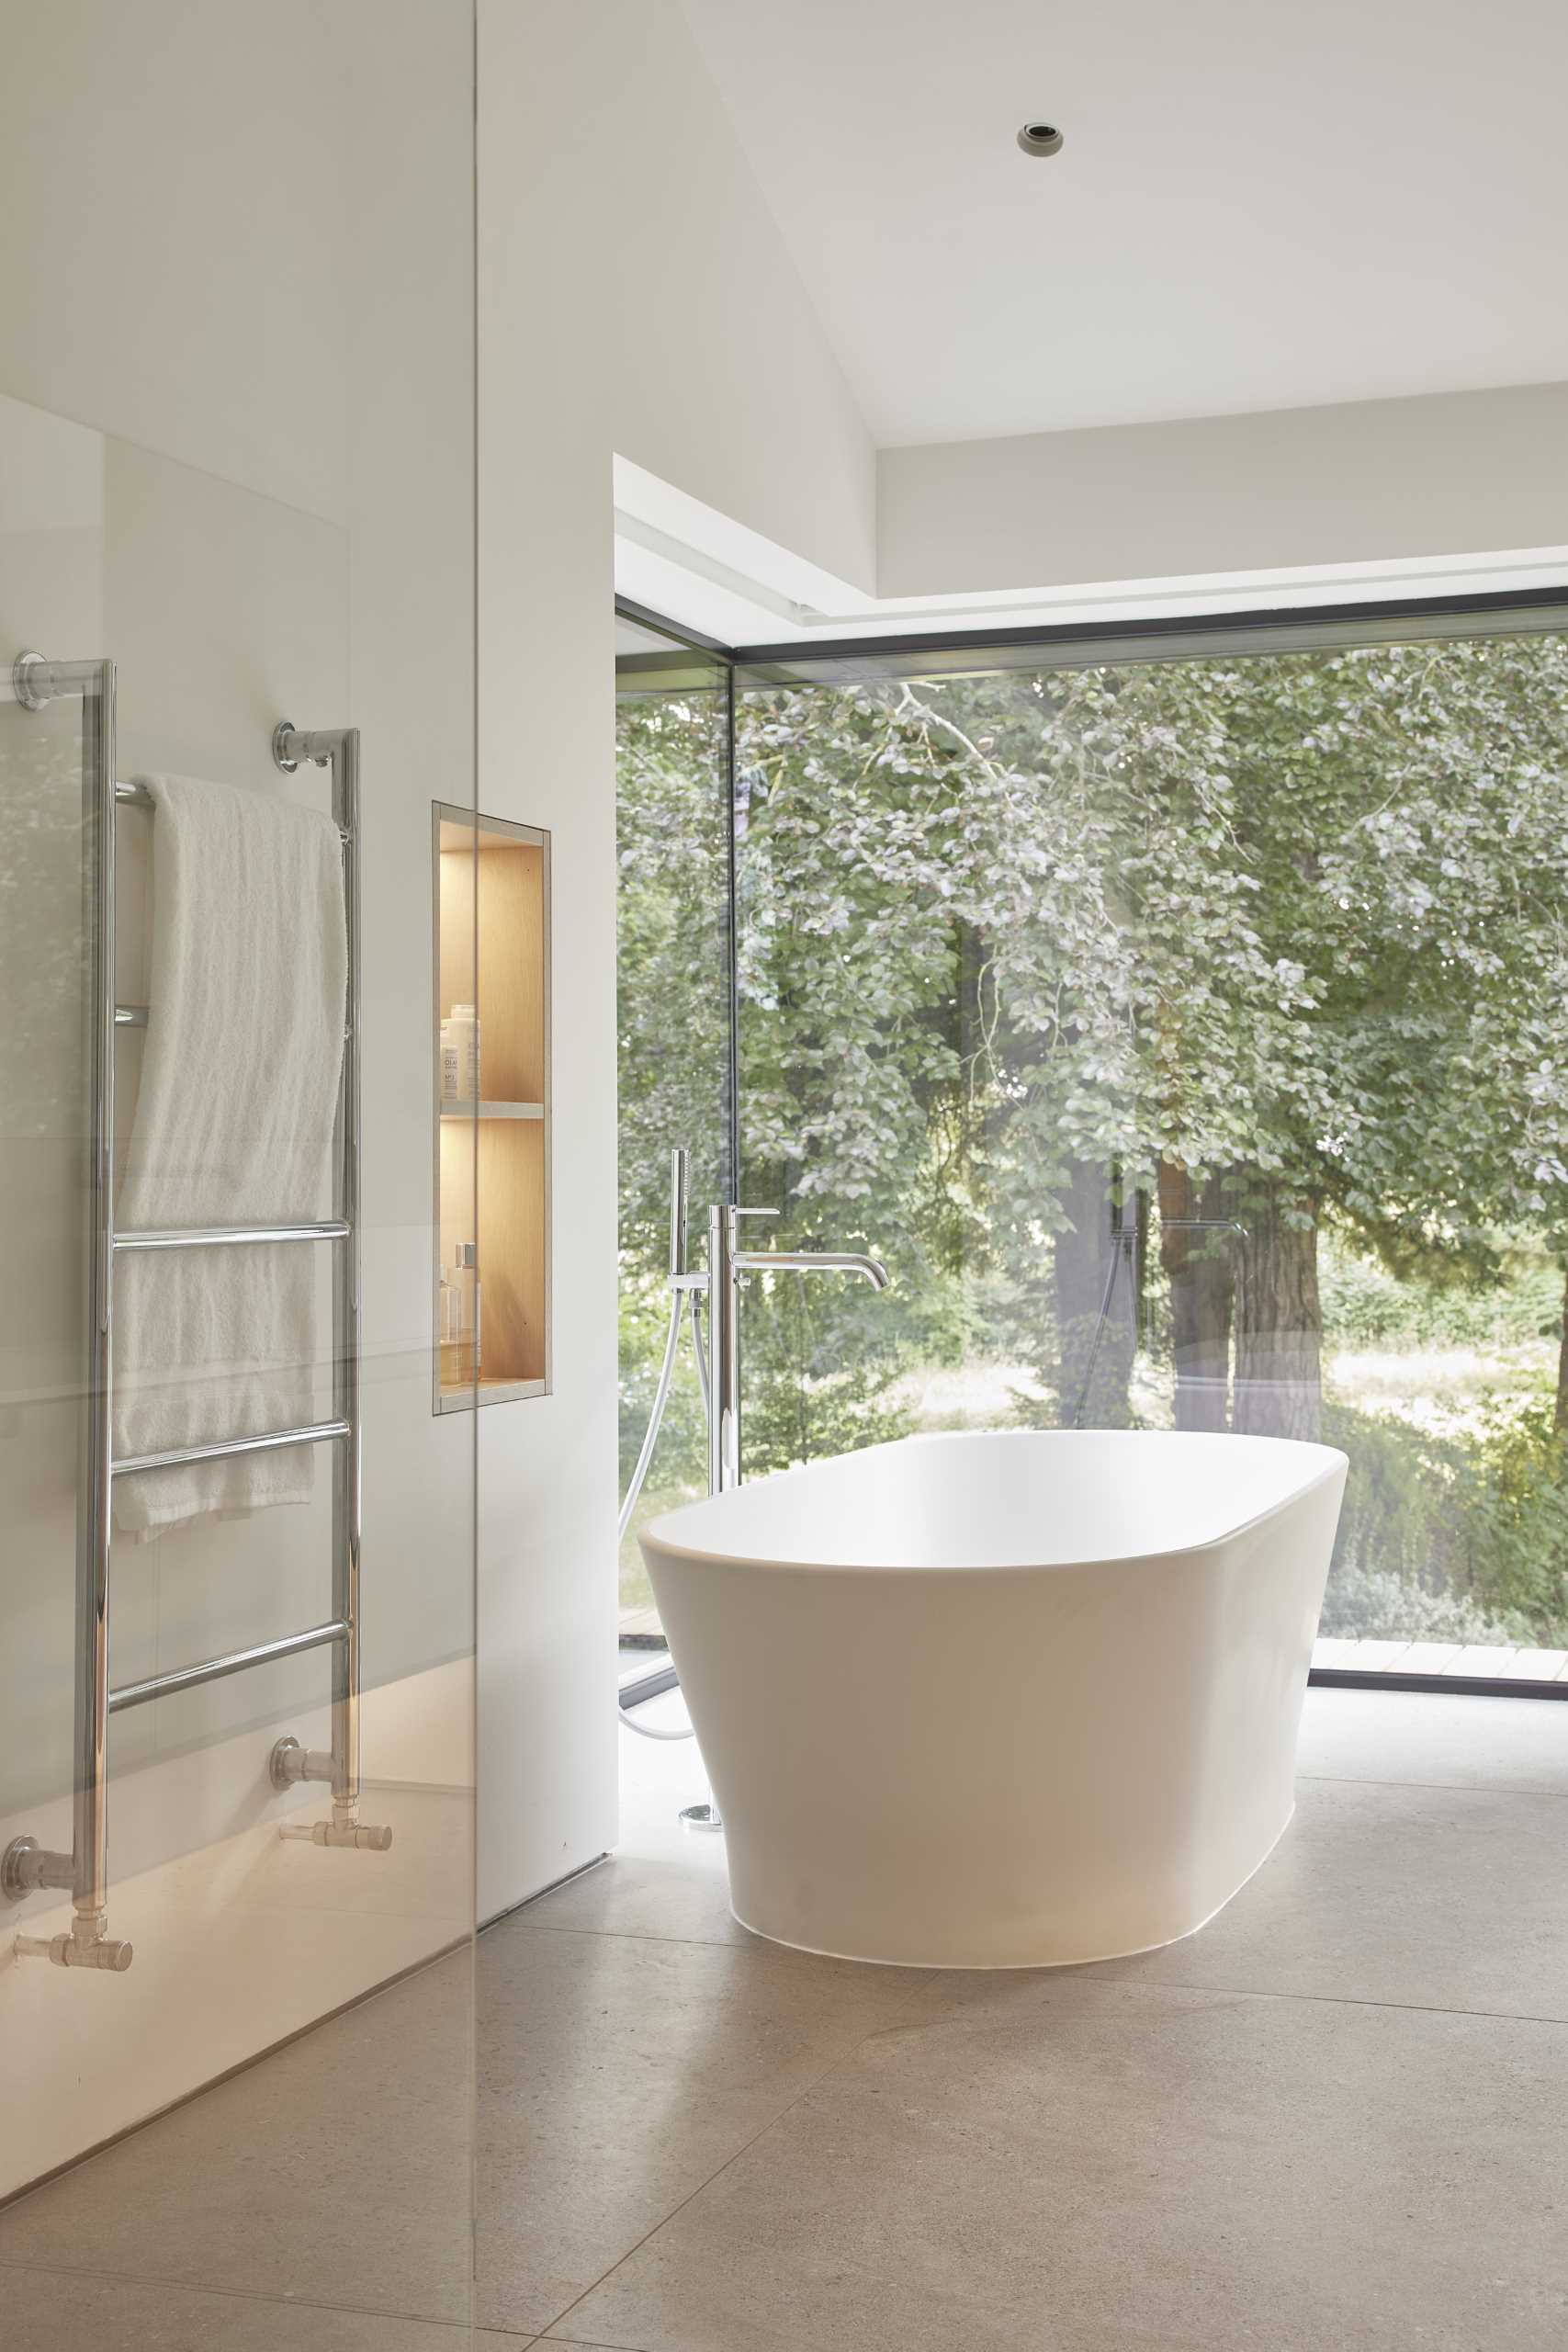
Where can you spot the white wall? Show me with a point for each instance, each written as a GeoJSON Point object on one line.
{"type": "Point", "coordinates": [630, 258]}
{"type": "Point", "coordinates": [236, 456]}
{"type": "Point", "coordinates": [635, 299]}
{"type": "Point", "coordinates": [1365, 481]}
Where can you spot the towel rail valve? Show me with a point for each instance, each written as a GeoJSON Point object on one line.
{"type": "Point", "coordinates": [342, 1829]}
{"type": "Point", "coordinates": [291, 1764]}
{"type": "Point", "coordinates": [75, 1947]}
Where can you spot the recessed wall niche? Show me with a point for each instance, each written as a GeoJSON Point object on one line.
{"type": "Point", "coordinates": [493, 1097]}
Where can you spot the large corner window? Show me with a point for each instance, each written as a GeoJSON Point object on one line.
{"type": "Point", "coordinates": [1185, 1022]}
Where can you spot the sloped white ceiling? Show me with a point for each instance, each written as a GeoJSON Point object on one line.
{"type": "Point", "coordinates": [1259, 205]}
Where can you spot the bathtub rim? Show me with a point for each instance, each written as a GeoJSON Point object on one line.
{"type": "Point", "coordinates": [652, 1539]}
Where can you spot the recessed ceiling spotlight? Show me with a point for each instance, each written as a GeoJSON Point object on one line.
{"type": "Point", "coordinates": [1039, 139]}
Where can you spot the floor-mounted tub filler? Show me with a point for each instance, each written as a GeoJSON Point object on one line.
{"type": "Point", "coordinates": [1005, 1699]}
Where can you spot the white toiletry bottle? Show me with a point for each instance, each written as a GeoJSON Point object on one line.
{"type": "Point", "coordinates": [465, 1286]}
{"type": "Point", "coordinates": [452, 1366]}
{"type": "Point", "coordinates": [450, 1089]}
{"type": "Point", "coordinates": [465, 1028]}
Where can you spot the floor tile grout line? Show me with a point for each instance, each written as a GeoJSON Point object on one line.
{"type": "Point", "coordinates": [1152, 1986]}
{"type": "Point", "coordinates": [754, 1949]}
{"type": "Point", "coordinates": [650, 1935]}
{"type": "Point", "coordinates": [843, 2059]}
{"type": "Point", "coordinates": [1439, 1788]}
{"type": "Point", "coordinates": [1077, 1972]}
{"type": "Point", "coordinates": [761, 1948]}
{"type": "Point", "coordinates": [233, 2294]}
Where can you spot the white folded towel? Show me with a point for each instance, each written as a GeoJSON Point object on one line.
{"type": "Point", "coordinates": [233, 1125]}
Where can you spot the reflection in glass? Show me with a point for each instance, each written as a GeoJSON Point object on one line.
{"type": "Point", "coordinates": [212, 2144]}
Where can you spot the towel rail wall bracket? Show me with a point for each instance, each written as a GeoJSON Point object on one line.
{"type": "Point", "coordinates": [25, 1866]}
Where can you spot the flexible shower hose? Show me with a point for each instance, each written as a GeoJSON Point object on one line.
{"type": "Point", "coordinates": [650, 1440]}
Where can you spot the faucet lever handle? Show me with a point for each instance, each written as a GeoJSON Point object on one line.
{"type": "Point", "coordinates": [740, 1212]}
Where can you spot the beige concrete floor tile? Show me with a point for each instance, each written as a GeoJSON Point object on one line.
{"type": "Point", "coordinates": [616, 2074]}
{"type": "Point", "coordinates": [1060, 2164]}
{"type": "Point", "coordinates": [664, 1879]}
{"type": "Point", "coordinates": [1445, 1898]}
{"type": "Point", "coordinates": [683, 1899]}
{"type": "Point", "coordinates": [1443, 1739]}
{"type": "Point", "coordinates": [52, 2310]}
{"type": "Point", "coordinates": [337, 2170]}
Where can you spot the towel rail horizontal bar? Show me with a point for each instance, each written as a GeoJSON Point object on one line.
{"type": "Point", "coordinates": [134, 1016]}
{"type": "Point", "coordinates": [204, 1237]}
{"type": "Point", "coordinates": [213, 1670]}
{"type": "Point", "coordinates": [316, 1434]}
{"type": "Point", "coordinates": [136, 796]}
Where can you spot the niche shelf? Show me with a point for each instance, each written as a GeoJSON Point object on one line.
{"type": "Point", "coordinates": [492, 1156]}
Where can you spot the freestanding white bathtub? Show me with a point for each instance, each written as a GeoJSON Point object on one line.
{"type": "Point", "coordinates": [1001, 1701]}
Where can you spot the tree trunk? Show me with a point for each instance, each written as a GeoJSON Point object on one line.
{"type": "Point", "coordinates": [1278, 1320]}
{"type": "Point", "coordinates": [1201, 1267]}
{"type": "Point", "coordinates": [1097, 1309]}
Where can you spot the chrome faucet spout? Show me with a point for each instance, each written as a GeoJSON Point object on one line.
{"type": "Point", "coordinates": [726, 1262]}
{"type": "Point", "coordinates": [811, 1261]}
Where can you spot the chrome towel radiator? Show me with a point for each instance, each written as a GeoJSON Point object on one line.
{"type": "Point", "coordinates": [26, 1865]}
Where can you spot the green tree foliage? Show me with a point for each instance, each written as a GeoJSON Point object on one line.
{"type": "Point", "coordinates": [1295, 920]}
{"type": "Point", "coordinates": [671, 849]}
{"type": "Point", "coordinates": [671, 1013]}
